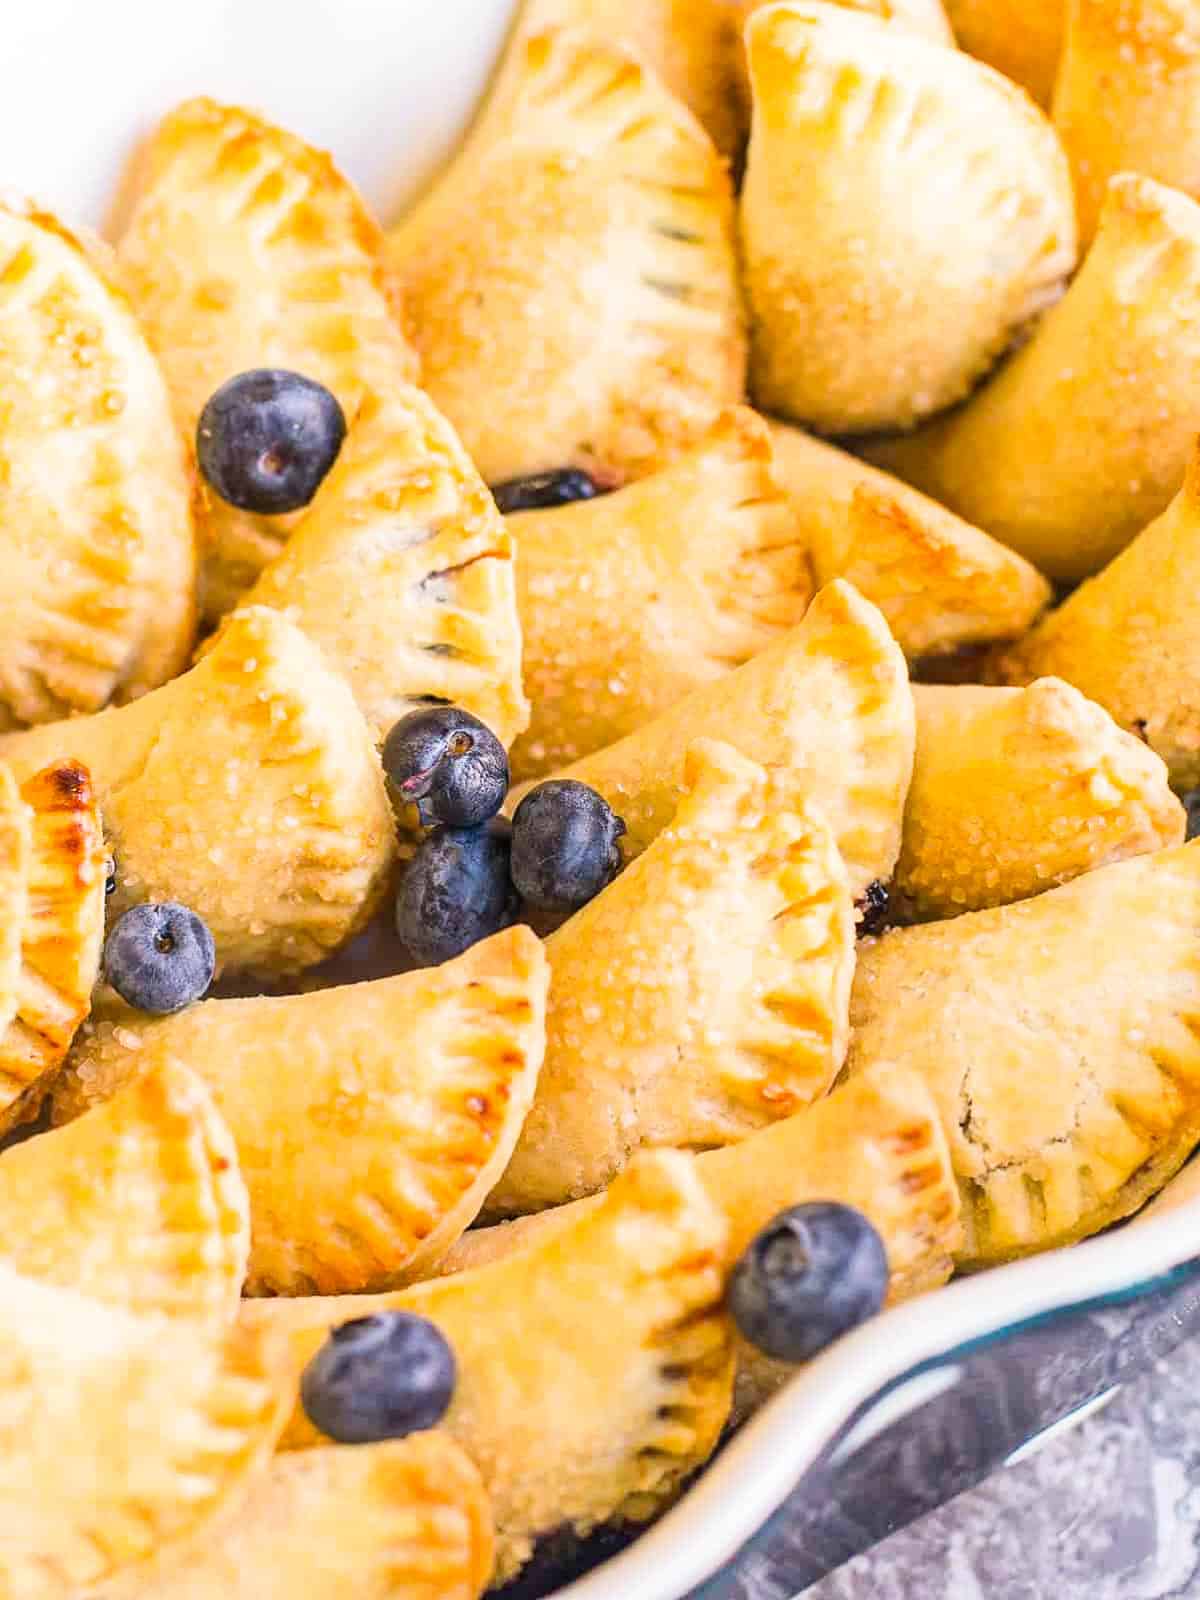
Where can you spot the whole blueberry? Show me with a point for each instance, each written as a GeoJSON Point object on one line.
{"type": "Point", "coordinates": [448, 764]}
{"type": "Point", "coordinates": [455, 891]}
{"type": "Point", "coordinates": [564, 845]}
{"type": "Point", "coordinates": [873, 907]}
{"type": "Point", "coordinates": [809, 1276]}
{"type": "Point", "coordinates": [160, 957]}
{"type": "Point", "coordinates": [542, 490]}
{"type": "Point", "coordinates": [267, 438]}
{"type": "Point", "coordinates": [1191, 802]}
{"type": "Point", "coordinates": [379, 1377]}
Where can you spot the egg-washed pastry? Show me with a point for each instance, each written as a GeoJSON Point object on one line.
{"type": "Point", "coordinates": [122, 1433]}
{"type": "Point", "coordinates": [247, 248]}
{"type": "Point", "coordinates": [404, 1520]}
{"type": "Point", "coordinates": [939, 582]}
{"type": "Point", "coordinates": [1059, 1038]}
{"type": "Point", "coordinates": [402, 572]}
{"type": "Point", "coordinates": [1129, 640]}
{"type": "Point", "coordinates": [248, 789]}
{"type": "Point", "coordinates": [16, 854]}
{"type": "Point", "coordinates": [631, 600]}
{"type": "Point", "coordinates": [571, 283]}
{"type": "Point", "coordinates": [1085, 434]}
{"type": "Point", "coordinates": [1020, 38]}
{"type": "Point", "coordinates": [623, 1389]}
{"type": "Point", "coordinates": [1016, 790]}
{"type": "Point", "coordinates": [703, 994]}
{"type": "Point", "coordinates": [370, 1120]}
{"type": "Point", "coordinates": [828, 706]}
{"type": "Point", "coordinates": [62, 927]}
{"type": "Point", "coordinates": [98, 546]}
{"type": "Point", "coordinates": [906, 213]}
{"type": "Point", "coordinates": [139, 1203]}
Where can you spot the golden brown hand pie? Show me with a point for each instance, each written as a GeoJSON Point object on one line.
{"type": "Point", "coordinates": [1129, 637]}
{"type": "Point", "coordinates": [906, 212]}
{"type": "Point", "coordinates": [139, 1203]}
{"type": "Point", "coordinates": [1084, 436]}
{"type": "Point", "coordinates": [62, 928]}
{"type": "Point", "coordinates": [370, 1120]}
{"type": "Point", "coordinates": [249, 789]}
{"type": "Point", "coordinates": [594, 1369]}
{"type": "Point", "coordinates": [702, 995]}
{"type": "Point", "coordinates": [95, 489]}
{"type": "Point", "coordinates": [828, 706]}
{"type": "Point", "coordinates": [248, 248]}
{"type": "Point", "coordinates": [402, 572]}
{"type": "Point", "coordinates": [404, 1520]}
{"type": "Point", "coordinates": [571, 282]}
{"type": "Point", "coordinates": [631, 600]}
{"type": "Point", "coordinates": [1059, 1038]}
{"type": "Point", "coordinates": [940, 583]}
{"type": "Point", "coordinates": [1021, 38]}
{"type": "Point", "coordinates": [122, 1433]}
{"type": "Point", "coordinates": [1017, 790]}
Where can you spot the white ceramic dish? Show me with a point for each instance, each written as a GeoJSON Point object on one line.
{"type": "Point", "coordinates": [389, 86]}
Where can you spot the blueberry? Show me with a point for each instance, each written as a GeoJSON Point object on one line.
{"type": "Point", "coordinates": [449, 764]}
{"type": "Point", "coordinates": [809, 1276]}
{"type": "Point", "coordinates": [564, 845]}
{"type": "Point", "coordinates": [456, 890]}
{"type": "Point", "coordinates": [544, 489]}
{"type": "Point", "coordinates": [160, 958]}
{"type": "Point", "coordinates": [872, 909]}
{"type": "Point", "coordinates": [379, 1377]}
{"type": "Point", "coordinates": [1191, 802]}
{"type": "Point", "coordinates": [267, 438]}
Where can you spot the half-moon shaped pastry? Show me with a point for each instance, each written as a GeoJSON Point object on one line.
{"type": "Point", "coordinates": [123, 1433]}
{"type": "Point", "coordinates": [249, 789]}
{"type": "Point", "coordinates": [1129, 637]}
{"type": "Point", "coordinates": [906, 212]}
{"type": "Point", "coordinates": [247, 248]}
{"type": "Point", "coordinates": [828, 707]}
{"type": "Point", "coordinates": [703, 994]}
{"type": "Point", "coordinates": [139, 1203]}
{"type": "Point", "coordinates": [1017, 790]}
{"type": "Point", "coordinates": [97, 542]}
{"type": "Point", "coordinates": [1020, 38]}
{"type": "Point", "coordinates": [1085, 434]}
{"type": "Point", "coordinates": [402, 572]}
{"type": "Point", "coordinates": [571, 283]}
{"type": "Point", "coordinates": [626, 1386]}
{"type": "Point", "coordinates": [1059, 1036]}
{"type": "Point", "coordinates": [404, 1520]}
{"type": "Point", "coordinates": [940, 583]}
{"type": "Point", "coordinates": [370, 1120]}
{"type": "Point", "coordinates": [631, 600]}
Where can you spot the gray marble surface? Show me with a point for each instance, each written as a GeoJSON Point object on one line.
{"type": "Point", "coordinates": [1107, 1511]}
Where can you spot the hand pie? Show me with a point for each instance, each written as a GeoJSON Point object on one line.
{"type": "Point", "coordinates": [828, 706]}
{"type": "Point", "coordinates": [402, 572]}
{"type": "Point", "coordinates": [701, 995]}
{"type": "Point", "coordinates": [631, 600]}
{"type": "Point", "coordinates": [405, 1520]}
{"type": "Point", "coordinates": [571, 283]}
{"type": "Point", "coordinates": [1084, 436]}
{"type": "Point", "coordinates": [1129, 638]}
{"type": "Point", "coordinates": [925, 18]}
{"type": "Point", "coordinates": [249, 789]}
{"type": "Point", "coordinates": [248, 248]}
{"type": "Point", "coordinates": [61, 929]}
{"type": "Point", "coordinates": [940, 583]}
{"type": "Point", "coordinates": [139, 1203]}
{"type": "Point", "coordinates": [122, 1433]}
{"type": "Point", "coordinates": [1127, 97]}
{"type": "Point", "coordinates": [624, 1389]}
{"type": "Point", "coordinates": [370, 1120]}
{"type": "Point", "coordinates": [95, 490]}
{"type": "Point", "coordinates": [1059, 1038]}
{"type": "Point", "coordinates": [868, 146]}
{"type": "Point", "coordinates": [1020, 38]}
{"type": "Point", "coordinates": [1015, 791]}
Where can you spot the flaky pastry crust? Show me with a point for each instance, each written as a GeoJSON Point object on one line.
{"type": "Point", "coordinates": [1023, 39]}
